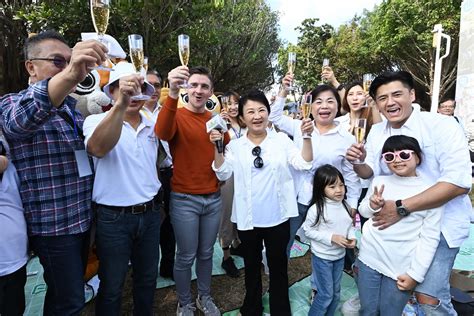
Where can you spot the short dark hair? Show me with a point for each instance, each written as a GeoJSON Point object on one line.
{"type": "Point", "coordinates": [324, 87]}
{"type": "Point", "coordinates": [253, 95]}
{"type": "Point", "coordinates": [403, 76]}
{"type": "Point", "coordinates": [345, 105]}
{"type": "Point", "coordinates": [401, 142]}
{"type": "Point", "coordinates": [447, 99]}
{"type": "Point", "coordinates": [155, 73]}
{"type": "Point", "coordinates": [200, 70]}
{"type": "Point", "coordinates": [33, 41]}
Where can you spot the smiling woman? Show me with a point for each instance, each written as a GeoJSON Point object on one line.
{"type": "Point", "coordinates": [262, 212]}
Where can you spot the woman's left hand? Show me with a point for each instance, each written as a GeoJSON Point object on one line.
{"type": "Point", "coordinates": [307, 127]}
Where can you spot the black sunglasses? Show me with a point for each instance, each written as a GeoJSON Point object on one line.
{"type": "Point", "coordinates": [258, 162]}
{"type": "Point", "coordinates": [58, 61]}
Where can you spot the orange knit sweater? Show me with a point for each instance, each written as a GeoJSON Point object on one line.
{"type": "Point", "coordinates": [190, 147]}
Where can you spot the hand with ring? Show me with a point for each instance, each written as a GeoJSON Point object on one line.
{"type": "Point", "coordinates": [128, 86]}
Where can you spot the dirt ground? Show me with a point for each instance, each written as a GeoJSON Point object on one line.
{"type": "Point", "coordinates": [228, 293]}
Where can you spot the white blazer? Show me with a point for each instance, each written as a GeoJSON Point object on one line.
{"type": "Point", "coordinates": [239, 161]}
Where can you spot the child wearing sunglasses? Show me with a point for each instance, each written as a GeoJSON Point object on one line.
{"type": "Point", "coordinates": [329, 227]}
{"type": "Point", "coordinates": [394, 260]}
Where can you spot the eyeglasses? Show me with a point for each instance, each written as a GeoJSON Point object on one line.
{"type": "Point", "coordinates": [404, 155]}
{"type": "Point", "coordinates": [156, 85]}
{"type": "Point", "coordinates": [258, 162]}
{"type": "Point", "coordinates": [58, 61]}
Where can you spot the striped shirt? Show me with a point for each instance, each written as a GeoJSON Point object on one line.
{"type": "Point", "coordinates": [56, 200]}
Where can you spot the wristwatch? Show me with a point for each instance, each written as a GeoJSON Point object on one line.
{"type": "Point", "coordinates": [401, 210]}
{"type": "Point", "coordinates": [340, 87]}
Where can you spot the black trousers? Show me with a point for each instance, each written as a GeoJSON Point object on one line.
{"type": "Point", "coordinates": [276, 239]}
{"type": "Point", "coordinates": [12, 293]}
{"type": "Point", "coordinates": [167, 240]}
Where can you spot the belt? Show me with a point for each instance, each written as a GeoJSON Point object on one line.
{"type": "Point", "coordinates": [134, 209]}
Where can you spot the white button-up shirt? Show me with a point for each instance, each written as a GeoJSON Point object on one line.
{"type": "Point", "coordinates": [280, 153]}
{"type": "Point", "coordinates": [445, 159]}
{"type": "Point", "coordinates": [127, 174]}
{"type": "Point", "coordinates": [328, 148]}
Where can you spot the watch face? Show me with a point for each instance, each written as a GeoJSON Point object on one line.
{"type": "Point", "coordinates": [402, 211]}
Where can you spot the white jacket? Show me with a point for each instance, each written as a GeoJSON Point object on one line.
{"type": "Point", "coordinates": [239, 161]}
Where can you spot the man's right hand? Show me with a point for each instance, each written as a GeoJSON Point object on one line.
{"type": "Point", "coordinates": [356, 152]}
{"type": "Point", "coordinates": [128, 86]}
{"type": "Point", "coordinates": [85, 56]}
{"type": "Point", "coordinates": [176, 77]}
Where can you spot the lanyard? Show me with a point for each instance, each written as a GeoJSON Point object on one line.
{"type": "Point", "coordinates": [76, 134]}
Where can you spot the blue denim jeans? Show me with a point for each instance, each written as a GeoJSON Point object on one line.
{"type": "Point", "coordinates": [436, 283]}
{"type": "Point", "coordinates": [378, 293]}
{"type": "Point", "coordinates": [328, 276]}
{"type": "Point", "coordinates": [121, 237]}
{"type": "Point", "coordinates": [195, 219]}
{"type": "Point", "coordinates": [295, 224]}
{"type": "Point", "coordinates": [64, 260]}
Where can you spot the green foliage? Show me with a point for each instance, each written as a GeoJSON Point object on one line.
{"type": "Point", "coordinates": [235, 39]}
{"type": "Point", "coordinates": [397, 34]}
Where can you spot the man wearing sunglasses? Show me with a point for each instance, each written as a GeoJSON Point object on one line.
{"type": "Point", "coordinates": [445, 162]}
{"type": "Point", "coordinates": [44, 132]}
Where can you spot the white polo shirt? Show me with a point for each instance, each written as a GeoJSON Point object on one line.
{"type": "Point", "coordinates": [445, 159]}
{"type": "Point", "coordinates": [127, 175]}
{"type": "Point", "coordinates": [153, 116]}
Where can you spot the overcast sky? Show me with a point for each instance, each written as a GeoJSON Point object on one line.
{"type": "Point", "coordinates": [333, 12]}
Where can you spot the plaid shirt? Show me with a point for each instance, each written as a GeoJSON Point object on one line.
{"type": "Point", "coordinates": [56, 200]}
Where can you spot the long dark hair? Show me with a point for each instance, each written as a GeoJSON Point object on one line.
{"type": "Point", "coordinates": [364, 112]}
{"type": "Point", "coordinates": [324, 176]}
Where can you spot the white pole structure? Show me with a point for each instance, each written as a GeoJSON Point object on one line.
{"type": "Point", "coordinates": [437, 37]}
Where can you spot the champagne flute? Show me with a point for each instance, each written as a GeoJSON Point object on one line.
{"type": "Point", "coordinates": [100, 10]}
{"type": "Point", "coordinates": [325, 65]}
{"type": "Point", "coordinates": [359, 131]}
{"type": "Point", "coordinates": [135, 43]}
{"type": "Point", "coordinates": [145, 63]}
{"type": "Point", "coordinates": [291, 68]}
{"type": "Point", "coordinates": [366, 82]}
{"type": "Point", "coordinates": [225, 103]}
{"type": "Point", "coordinates": [305, 108]}
{"type": "Point", "coordinates": [183, 48]}
{"type": "Point", "coordinates": [225, 106]}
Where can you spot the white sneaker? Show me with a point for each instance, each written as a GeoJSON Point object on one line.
{"type": "Point", "coordinates": [186, 310]}
{"type": "Point", "coordinates": [206, 305]}
{"type": "Point", "coordinates": [351, 307]}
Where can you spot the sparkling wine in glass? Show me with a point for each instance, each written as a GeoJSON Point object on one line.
{"type": "Point", "coordinates": [305, 107]}
{"type": "Point", "coordinates": [137, 56]}
{"type": "Point", "coordinates": [366, 82]}
{"type": "Point", "coordinates": [183, 49]}
{"type": "Point", "coordinates": [225, 103]}
{"type": "Point", "coordinates": [325, 65]}
{"type": "Point", "coordinates": [100, 10]}
{"type": "Point", "coordinates": [359, 132]}
{"type": "Point", "coordinates": [291, 68]}
{"type": "Point", "coordinates": [145, 63]}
